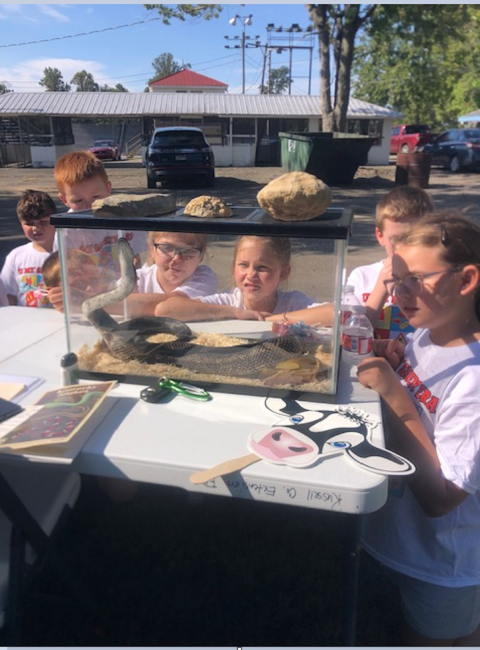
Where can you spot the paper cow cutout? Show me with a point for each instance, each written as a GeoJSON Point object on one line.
{"type": "Point", "coordinates": [305, 436]}
{"type": "Point", "coordinates": [276, 444]}
{"type": "Point", "coordinates": [344, 430]}
{"type": "Point", "coordinates": [283, 446]}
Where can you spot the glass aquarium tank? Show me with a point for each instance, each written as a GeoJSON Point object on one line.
{"type": "Point", "coordinates": [112, 268]}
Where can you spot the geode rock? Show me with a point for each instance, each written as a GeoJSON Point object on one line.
{"type": "Point", "coordinates": [208, 207]}
{"type": "Point", "coordinates": [134, 205]}
{"type": "Point", "coordinates": [296, 196]}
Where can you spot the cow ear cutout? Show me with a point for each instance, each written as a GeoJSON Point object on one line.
{"type": "Point", "coordinates": [380, 461]}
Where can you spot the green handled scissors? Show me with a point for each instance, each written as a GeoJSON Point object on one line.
{"type": "Point", "coordinates": [166, 386]}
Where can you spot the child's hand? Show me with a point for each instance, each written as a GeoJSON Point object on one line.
{"type": "Point", "coordinates": [386, 272]}
{"type": "Point", "coordinates": [377, 373]}
{"type": "Point", "coordinates": [390, 349]}
{"type": "Point", "coordinates": [394, 352]}
{"type": "Point", "coordinates": [55, 296]}
{"type": "Point", "coordinates": [376, 300]}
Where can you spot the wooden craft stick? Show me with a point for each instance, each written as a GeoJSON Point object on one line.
{"type": "Point", "coordinates": [232, 465]}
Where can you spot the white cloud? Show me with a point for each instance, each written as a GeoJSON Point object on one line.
{"type": "Point", "coordinates": [48, 10]}
{"type": "Point", "coordinates": [25, 76]}
{"type": "Point", "coordinates": [9, 9]}
{"type": "Point", "coordinates": [14, 9]}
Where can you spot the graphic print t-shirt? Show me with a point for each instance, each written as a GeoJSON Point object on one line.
{"type": "Point", "coordinates": [391, 324]}
{"type": "Point", "coordinates": [22, 276]}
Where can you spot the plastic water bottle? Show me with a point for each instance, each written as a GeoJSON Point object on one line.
{"type": "Point", "coordinates": [69, 369]}
{"type": "Point", "coordinates": [357, 336]}
{"type": "Point", "coordinates": [348, 299]}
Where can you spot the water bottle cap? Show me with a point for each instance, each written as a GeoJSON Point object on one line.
{"type": "Point", "coordinates": [358, 309]}
{"type": "Point", "coordinates": [68, 360]}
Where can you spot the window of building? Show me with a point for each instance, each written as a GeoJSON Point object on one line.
{"type": "Point", "coordinates": [243, 130]}
{"type": "Point", "coordinates": [370, 127]}
{"type": "Point", "coordinates": [62, 130]}
{"type": "Point", "coordinates": [216, 129]}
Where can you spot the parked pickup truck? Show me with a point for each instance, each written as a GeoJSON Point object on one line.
{"type": "Point", "coordinates": [409, 137]}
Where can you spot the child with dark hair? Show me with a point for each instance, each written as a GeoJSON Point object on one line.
{"type": "Point", "coordinates": [22, 271]}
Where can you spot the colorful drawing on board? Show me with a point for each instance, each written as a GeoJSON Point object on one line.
{"type": "Point", "coordinates": [63, 412]}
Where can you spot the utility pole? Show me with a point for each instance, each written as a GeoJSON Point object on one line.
{"type": "Point", "coordinates": [279, 36]}
{"type": "Point", "coordinates": [246, 21]}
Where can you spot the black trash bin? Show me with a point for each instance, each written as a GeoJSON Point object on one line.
{"type": "Point", "coordinates": [332, 157]}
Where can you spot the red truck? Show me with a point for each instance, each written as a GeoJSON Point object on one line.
{"type": "Point", "coordinates": [407, 138]}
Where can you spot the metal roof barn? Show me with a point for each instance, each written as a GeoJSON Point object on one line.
{"type": "Point", "coordinates": [79, 104]}
{"type": "Point", "coordinates": [36, 128]}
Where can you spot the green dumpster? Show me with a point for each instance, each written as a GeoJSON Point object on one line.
{"type": "Point", "coordinates": [332, 157]}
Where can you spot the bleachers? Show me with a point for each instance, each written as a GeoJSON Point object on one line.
{"type": "Point", "coordinates": [85, 133]}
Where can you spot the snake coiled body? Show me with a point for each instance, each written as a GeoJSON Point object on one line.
{"type": "Point", "coordinates": [129, 341]}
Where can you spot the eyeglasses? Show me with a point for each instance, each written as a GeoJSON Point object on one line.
{"type": "Point", "coordinates": [413, 283]}
{"type": "Point", "coordinates": [187, 253]}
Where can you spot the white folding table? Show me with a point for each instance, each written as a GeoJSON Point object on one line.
{"type": "Point", "coordinates": [164, 443]}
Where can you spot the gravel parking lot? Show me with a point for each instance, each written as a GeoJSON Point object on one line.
{"type": "Point", "coordinates": [240, 186]}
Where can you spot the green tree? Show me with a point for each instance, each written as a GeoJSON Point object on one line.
{"type": "Point", "coordinates": [411, 59]}
{"type": "Point", "coordinates": [4, 88]}
{"type": "Point", "coordinates": [337, 27]}
{"type": "Point", "coordinates": [279, 80]}
{"type": "Point", "coordinates": [52, 81]}
{"type": "Point", "coordinates": [165, 65]}
{"type": "Point", "coordinates": [85, 82]}
{"type": "Point", "coordinates": [463, 62]}
{"type": "Point", "coordinates": [118, 88]}
{"type": "Point", "coordinates": [182, 12]}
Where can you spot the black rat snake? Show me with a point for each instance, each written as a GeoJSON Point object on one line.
{"type": "Point", "coordinates": [129, 340]}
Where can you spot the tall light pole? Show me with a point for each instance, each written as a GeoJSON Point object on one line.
{"type": "Point", "coordinates": [246, 20]}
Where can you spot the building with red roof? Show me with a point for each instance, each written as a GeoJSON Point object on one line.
{"type": "Point", "coordinates": [187, 81]}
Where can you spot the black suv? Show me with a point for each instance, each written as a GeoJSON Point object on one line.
{"type": "Point", "coordinates": [179, 152]}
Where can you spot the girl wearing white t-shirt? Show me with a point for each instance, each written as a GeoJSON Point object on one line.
{"type": "Point", "coordinates": [260, 264]}
{"type": "Point", "coordinates": [428, 533]}
{"type": "Point", "coordinates": [176, 267]}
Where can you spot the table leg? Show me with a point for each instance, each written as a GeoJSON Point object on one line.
{"type": "Point", "coordinates": [18, 514]}
{"type": "Point", "coordinates": [26, 529]}
{"type": "Point", "coordinates": [351, 582]}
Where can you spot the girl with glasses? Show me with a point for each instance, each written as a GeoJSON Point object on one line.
{"type": "Point", "coordinates": [177, 266]}
{"type": "Point", "coordinates": [428, 533]}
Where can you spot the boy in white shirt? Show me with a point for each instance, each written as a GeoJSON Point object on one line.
{"type": "Point", "coordinates": [22, 271]}
{"type": "Point", "coordinates": [394, 215]}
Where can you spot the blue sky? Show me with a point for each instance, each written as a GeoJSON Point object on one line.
{"type": "Point", "coordinates": [125, 55]}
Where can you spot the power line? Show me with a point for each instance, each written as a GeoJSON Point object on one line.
{"type": "Point", "coordinates": [95, 31]}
